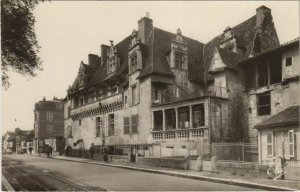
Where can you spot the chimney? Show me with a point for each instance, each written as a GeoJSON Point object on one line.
{"type": "Point", "coordinates": [92, 59]}
{"type": "Point", "coordinates": [262, 13]}
{"type": "Point", "coordinates": [104, 49]}
{"type": "Point", "coordinates": [145, 25]}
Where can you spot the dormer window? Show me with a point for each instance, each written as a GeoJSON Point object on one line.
{"type": "Point", "coordinates": [133, 63]}
{"type": "Point", "coordinates": [180, 60]}
{"type": "Point", "coordinates": [113, 61]}
{"type": "Point", "coordinates": [227, 33]}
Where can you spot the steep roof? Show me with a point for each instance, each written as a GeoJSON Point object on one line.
{"type": "Point", "coordinates": [159, 45]}
{"type": "Point", "coordinates": [244, 34]}
{"type": "Point", "coordinates": [289, 116]}
{"type": "Point", "coordinates": [230, 58]}
{"type": "Point", "coordinates": [100, 73]}
{"type": "Point", "coordinates": [49, 106]}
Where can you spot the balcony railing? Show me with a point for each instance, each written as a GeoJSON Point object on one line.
{"type": "Point", "coordinates": [101, 106]}
{"type": "Point", "coordinates": [181, 95]}
{"type": "Point", "coordinates": [192, 133]}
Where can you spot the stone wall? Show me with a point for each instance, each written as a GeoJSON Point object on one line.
{"type": "Point", "coordinates": [164, 162]}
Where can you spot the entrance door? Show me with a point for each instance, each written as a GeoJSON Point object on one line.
{"type": "Point", "coordinates": [280, 143]}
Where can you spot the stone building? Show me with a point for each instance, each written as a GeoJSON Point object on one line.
{"type": "Point", "coordinates": [8, 143]}
{"type": "Point", "coordinates": [49, 125]}
{"type": "Point", "coordinates": [164, 94]}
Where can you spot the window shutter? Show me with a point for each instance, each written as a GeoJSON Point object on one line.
{"type": "Point", "coordinates": [291, 143]}
{"type": "Point", "coordinates": [137, 123]}
{"type": "Point", "coordinates": [106, 125]}
{"type": "Point", "coordinates": [270, 144]}
{"type": "Point", "coordinates": [116, 130]}
{"type": "Point", "coordinates": [95, 126]}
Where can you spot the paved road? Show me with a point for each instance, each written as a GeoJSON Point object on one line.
{"type": "Point", "coordinates": [115, 179]}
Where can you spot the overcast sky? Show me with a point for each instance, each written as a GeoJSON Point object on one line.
{"type": "Point", "coordinates": [68, 31]}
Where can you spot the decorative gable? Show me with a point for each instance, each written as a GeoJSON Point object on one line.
{"type": "Point", "coordinates": [113, 62]}
{"type": "Point", "coordinates": [229, 40]}
{"type": "Point", "coordinates": [216, 63]}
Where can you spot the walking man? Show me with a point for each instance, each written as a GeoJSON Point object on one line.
{"type": "Point", "coordinates": [92, 151]}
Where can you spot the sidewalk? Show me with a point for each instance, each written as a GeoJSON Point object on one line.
{"type": "Point", "coordinates": [259, 183]}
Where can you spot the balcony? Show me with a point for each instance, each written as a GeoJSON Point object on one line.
{"type": "Point", "coordinates": [168, 96]}
{"type": "Point", "coordinates": [98, 107]}
{"type": "Point", "coordinates": [192, 133]}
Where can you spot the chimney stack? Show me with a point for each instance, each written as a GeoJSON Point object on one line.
{"type": "Point", "coordinates": [104, 49]}
{"type": "Point", "coordinates": [262, 13]}
{"type": "Point", "coordinates": [145, 26]}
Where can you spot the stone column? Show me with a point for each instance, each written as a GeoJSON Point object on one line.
{"type": "Point", "coordinates": [164, 120]}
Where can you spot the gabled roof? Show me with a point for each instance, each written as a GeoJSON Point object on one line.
{"type": "Point", "coordinates": [289, 116]}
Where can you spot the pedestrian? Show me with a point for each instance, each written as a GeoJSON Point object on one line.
{"type": "Point", "coordinates": [92, 151]}
{"type": "Point", "coordinates": [30, 150]}
{"type": "Point", "coordinates": [105, 157]}
{"type": "Point", "coordinates": [50, 150]}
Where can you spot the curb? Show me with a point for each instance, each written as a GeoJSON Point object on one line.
{"type": "Point", "coordinates": [6, 184]}
{"type": "Point", "coordinates": [190, 176]}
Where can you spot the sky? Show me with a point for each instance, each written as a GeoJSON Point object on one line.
{"type": "Point", "coordinates": [68, 31]}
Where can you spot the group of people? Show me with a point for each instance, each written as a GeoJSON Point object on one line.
{"type": "Point", "coordinates": [48, 150]}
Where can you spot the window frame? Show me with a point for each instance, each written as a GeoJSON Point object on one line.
{"type": "Point", "coordinates": [260, 106]}
{"type": "Point", "coordinates": [126, 126]}
{"type": "Point", "coordinates": [98, 127]}
{"type": "Point", "coordinates": [111, 124]}
{"type": "Point", "coordinates": [49, 116]}
{"type": "Point", "coordinates": [133, 61]}
{"type": "Point", "coordinates": [134, 124]}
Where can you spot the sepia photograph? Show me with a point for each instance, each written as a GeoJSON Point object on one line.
{"type": "Point", "coordinates": [150, 95]}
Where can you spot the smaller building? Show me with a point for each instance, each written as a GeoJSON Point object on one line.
{"type": "Point", "coordinates": [9, 145]}
{"type": "Point", "coordinates": [49, 125]}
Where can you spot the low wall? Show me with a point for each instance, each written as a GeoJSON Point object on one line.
{"type": "Point", "coordinates": [242, 169]}
{"type": "Point", "coordinates": [118, 158]}
{"type": "Point", "coordinates": [175, 163]}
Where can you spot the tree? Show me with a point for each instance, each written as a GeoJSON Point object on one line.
{"type": "Point", "coordinates": [18, 41]}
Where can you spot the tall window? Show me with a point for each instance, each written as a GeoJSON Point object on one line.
{"type": "Point", "coordinates": [264, 104]}
{"type": "Point", "coordinates": [49, 116]}
{"type": "Point", "coordinates": [98, 127]}
{"type": "Point", "coordinates": [134, 124]}
{"type": "Point", "coordinates": [170, 119]}
{"type": "Point", "coordinates": [158, 120]}
{"type": "Point", "coordinates": [133, 63]}
{"type": "Point", "coordinates": [126, 125]}
{"type": "Point", "coordinates": [50, 129]}
{"type": "Point", "coordinates": [270, 144]}
{"type": "Point", "coordinates": [184, 116]}
{"type": "Point", "coordinates": [111, 124]}
{"type": "Point", "coordinates": [180, 60]}
{"type": "Point", "coordinates": [134, 95]}
{"type": "Point", "coordinates": [198, 116]}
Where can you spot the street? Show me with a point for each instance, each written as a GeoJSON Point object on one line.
{"type": "Point", "coordinates": [97, 177]}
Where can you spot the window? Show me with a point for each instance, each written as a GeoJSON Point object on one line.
{"type": "Point", "coordinates": [79, 122]}
{"type": "Point", "coordinates": [291, 143]}
{"type": "Point", "coordinates": [170, 119]}
{"type": "Point", "coordinates": [262, 70]}
{"type": "Point", "coordinates": [180, 60]}
{"type": "Point", "coordinates": [158, 120]}
{"type": "Point", "coordinates": [49, 116]}
{"type": "Point", "coordinates": [98, 127]}
{"type": "Point", "coordinates": [183, 114]}
{"type": "Point", "coordinates": [288, 61]}
{"type": "Point", "coordinates": [134, 124]}
{"type": "Point", "coordinates": [81, 101]}
{"type": "Point", "coordinates": [69, 111]}
{"type": "Point", "coordinates": [126, 125]}
{"type": "Point", "coordinates": [111, 124]}
{"type": "Point", "coordinates": [134, 95]}
{"type": "Point", "coordinates": [133, 63]}
{"type": "Point", "coordinates": [264, 104]}
{"type": "Point", "coordinates": [198, 116]}
{"type": "Point", "coordinates": [50, 129]}
{"type": "Point", "coordinates": [270, 144]}
{"type": "Point", "coordinates": [69, 132]}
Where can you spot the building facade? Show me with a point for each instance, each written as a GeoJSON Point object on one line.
{"type": "Point", "coordinates": [49, 125]}
{"type": "Point", "coordinates": [9, 144]}
{"type": "Point", "coordinates": [164, 94]}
